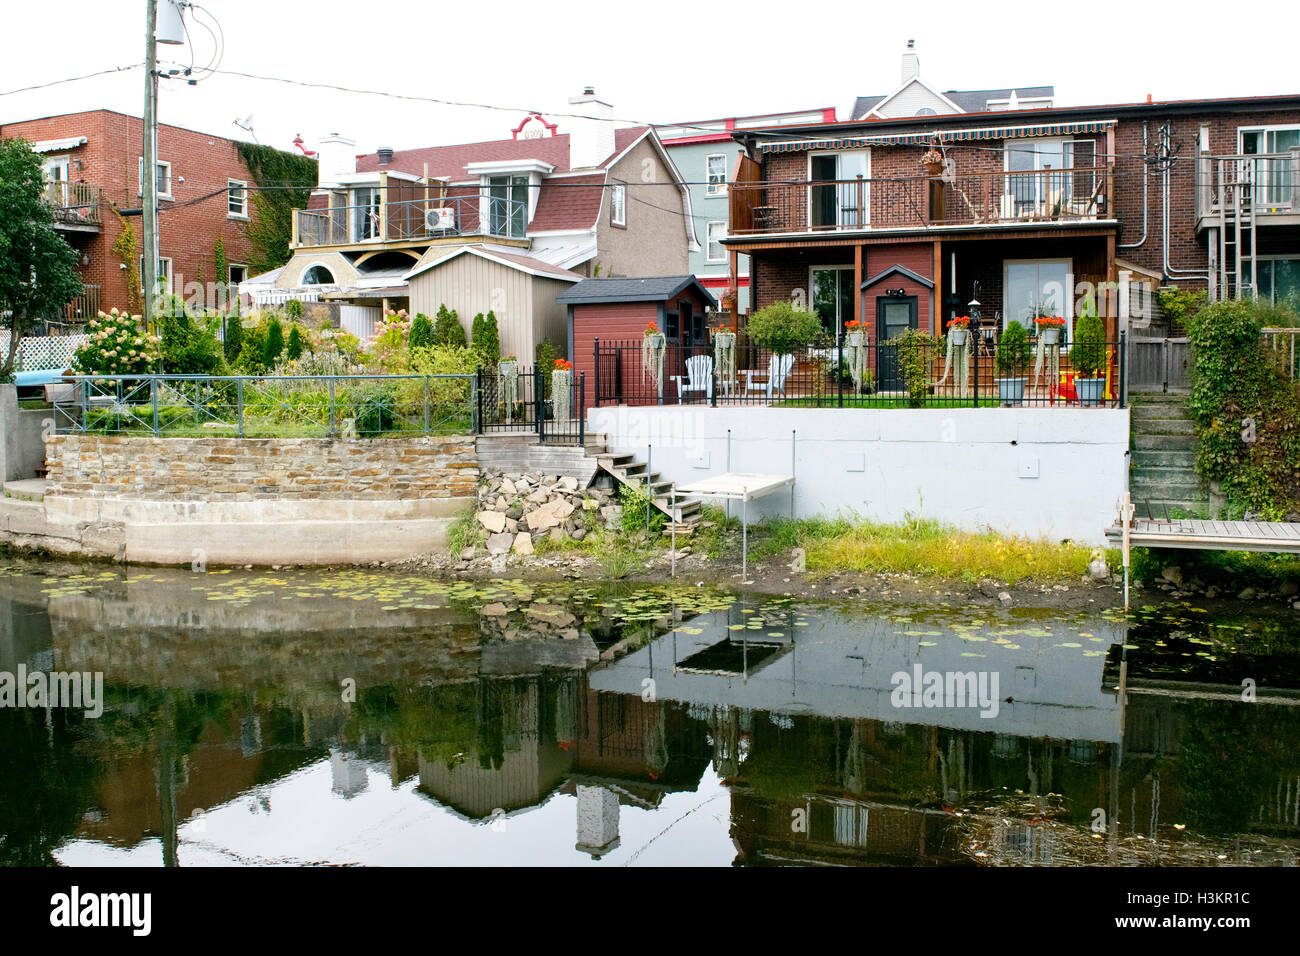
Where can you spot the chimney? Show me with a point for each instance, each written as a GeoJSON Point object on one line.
{"type": "Point", "coordinates": [336, 157]}
{"type": "Point", "coordinates": [385, 154]}
{"type": "Point", "coordinates": [591, 135]}
{"type": "Point", "coordinates": [911, 62]}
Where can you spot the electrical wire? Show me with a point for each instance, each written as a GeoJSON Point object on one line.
{"type": "Point", "coordinates": [73, 79]}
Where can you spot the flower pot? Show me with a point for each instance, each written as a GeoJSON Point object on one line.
{"type": "Point", "coordinates": [934, 169]}
{"type": "Point", "coordinates": [958, 337]}
{"type": "Point", "coordinates": [1011, 391]}
{"type": "Point", "coordinates": [506, 369]}
{"type": "Point", "coordinates": [1050, 336]}
{"type": "Point", "coordinates": [855, 339]}
{"type": "Point", "coordinates": [1091, 391]}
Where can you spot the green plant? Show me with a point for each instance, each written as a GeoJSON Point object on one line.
{"type": "Point", "coordinates": [447, 329]}
{"type": "Point", "coordinates": [293, 351]}
{"type": "Point", "coordinates": [1013, 352]}
{"type": "Point", "coordinates": [127, 251]}
{"type": "Point", "coordinates": [421, 332]}
{"type": "Point", "coordinates": [118, 345]}
{"type": "Point", "coordinates": [233, 339]}
{"type": "Point", "coordinates": [188, 347]}
{"type": "Point", "coordinates": [1088, 354]}
{"type": "Point", "coordinates": [487, 339]}
{"type": "Point", "coordinates": [914, 349]}
{"type": "Point", "coordinates": [223, 270]}
{"type": "Point", "coordinates": [782, 328]}
{"type": "Point", "coordinates": [273, 346]}
{"type": "Point", "coordinates": [375, 409]}
{"type": "Point", "coordinates": [638, 502]}
{"type": "Point", "coordinates": [251, 359]}
{"type": "Point", "coordinates": [545, 356]}
{"type": "Point", "coordinates": [289, 180]}
{"type": "Point", "coordinates": [293, 309]}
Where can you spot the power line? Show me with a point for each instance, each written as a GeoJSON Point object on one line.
{"type": "Point", "coordinates": [73, 79]}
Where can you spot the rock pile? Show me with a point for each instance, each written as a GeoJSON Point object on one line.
{"type": "Point", "coordinates": [516, 510]}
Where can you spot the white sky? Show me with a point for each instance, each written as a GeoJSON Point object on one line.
{"type": "Point", "coordinates": [657, 62]}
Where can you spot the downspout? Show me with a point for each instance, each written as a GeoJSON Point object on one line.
{"type": "Point", "coordinates": [1146, 177]}
{"type": "Point", "coordinates": [1170, 271]}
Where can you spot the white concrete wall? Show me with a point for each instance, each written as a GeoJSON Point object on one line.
{"type": "Point", "coordinates": [1050, 473]}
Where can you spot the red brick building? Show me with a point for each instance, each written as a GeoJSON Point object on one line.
{"type": "Point", "coordinates": [1020, 208]}
{"type": "Point", "coordinates": [93, 166]}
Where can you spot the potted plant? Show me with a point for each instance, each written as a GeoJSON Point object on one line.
{"type": "Point", "coordinates": [1049, 329]}
{"type": "Point", "coordinates": [561, 382]}
{"type": "Point", "coordinates": [1011, 359]}
{"type": "Point", "coordinates": [959, 331]}
{"type": "Point", "coordinates": [508, 371]}
{"type": "Point", "coordinates": [729, 299]}
{"type": "Point", "coordinates": [932, 160]}
{"type": "Point", "coordinates": [653, 346]}
{"type": "Point", "coordinates": [1088, 359]}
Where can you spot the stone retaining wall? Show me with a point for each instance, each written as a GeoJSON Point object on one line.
{"type": "Point", "coordinates": [252, 469]}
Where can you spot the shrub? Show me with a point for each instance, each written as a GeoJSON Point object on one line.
{"type": "Point", "coordinates": [118, 345]}
{"type": "Point", "coordinates": [252, 352]}
{"type": "Point", "coordinates": [293, 309]}
{"type": "Point", "coordinates": [293, 351]}
{"type": "Point", "coordinates": [1013, 352]}
{"type": "Point", "coordinates": [545, 357]}
{"type": "Point", "coordinates": [1088, 354]}
{"type": "Point", "coordinates": [375, 409]}
{"type": "Point", "coordinates": [188, 348]}
{"type": "Point", "coordinates": [914, 349]}
{"type": "Point", "coordinates": [782, 328]}
{"type": "Point", "coordinates": [421, 332]}
{"type": "Point", "coordinates": [273, 346]}
{"type": "Point", "coordinates": [447, 329]}
{"type": "Point", "coordinates": [234, 338]}
{"type": "Point", "coordinates": [490, 345]}
{"type": "Point", "coordinates": [637, 502]}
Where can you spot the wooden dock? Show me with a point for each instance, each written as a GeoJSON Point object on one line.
{"type": "Point", "coordinates": [1277, 537]}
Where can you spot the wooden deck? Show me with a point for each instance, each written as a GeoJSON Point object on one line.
{"type": "Point", "coordinates": [1192, 533]}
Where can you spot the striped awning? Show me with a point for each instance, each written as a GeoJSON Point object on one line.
{"type": "Point", "coordinates": [923, 138]}
{"type": "Point", "coordinates": [58, 145]}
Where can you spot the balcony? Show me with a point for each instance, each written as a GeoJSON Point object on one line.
{"type": "Point", "coordinates": [412, 222]}
{"type": "Point", "coordinates": [77, 206]}
{"type": "Point", "coordinates": [1045, 196]}
{"type": "Point", "coordinates": [1263, 186]}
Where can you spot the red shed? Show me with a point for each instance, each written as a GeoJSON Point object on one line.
{"type": "Point", "coordinates": [611, 315]}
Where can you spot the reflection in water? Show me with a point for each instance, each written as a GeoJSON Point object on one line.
{"type": "Point", "coordinates": [619, 730]}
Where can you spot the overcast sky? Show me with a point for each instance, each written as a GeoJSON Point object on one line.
{"type": "Point", "coordinates": [655, 62]}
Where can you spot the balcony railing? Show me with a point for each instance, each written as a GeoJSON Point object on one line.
{"type": "Point", "coordinates": [1042, 195]}
{"type": "Point", "coordinates": [1268, 183]}
{"type": "Point", "coordinates": [75, 204]}
{"type": "Point", "coordinates": [418, 219]}
{"type": "Point", "coordinates": [85, 306]}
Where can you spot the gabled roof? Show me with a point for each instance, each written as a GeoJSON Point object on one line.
{"type": "Point", "coordinates": [897, 270]}
{"type": "Point", "coordinates": [968, 101]}
{"type": "Point", "coordinates": [643, 289]}
{"type": "Point", "coordinates": [438, 256]}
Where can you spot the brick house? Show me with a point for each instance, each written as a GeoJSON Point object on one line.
{"type": "Point", "coordinates": [1024, 205]}
{"type": "Point", "coordinates": [93, 166]}
{"type": "Point", "coordinates": [578, 198]}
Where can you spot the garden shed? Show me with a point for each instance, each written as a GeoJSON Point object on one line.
{"type": "Point", "coordinates": [614, 312]}
{"type": "Point", "coordinates": [520, 290]}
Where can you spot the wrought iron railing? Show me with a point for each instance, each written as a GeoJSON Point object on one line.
{"type": "Point", "coordinates": [268, 406]}
{"type": "Point", "coordinates": [75, 204]}
{"type": "Point", "coordinates": [824, 377]}
{"type": "Point", "coordinates": [528, 401]}
{"type": "Point", "coordinates": [414, 219]}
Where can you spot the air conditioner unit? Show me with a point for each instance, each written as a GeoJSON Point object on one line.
{"type": "Point", "coordinates": [439, 219]}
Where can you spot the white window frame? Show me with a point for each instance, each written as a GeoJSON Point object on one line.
{"type": "Point", "coordinates": [708, 241]}
{"type": "Point", "coordinates": [1066, 294]}
{"type": "Point", "coordinates": [866, 200]}
{"type": "Point", "coordinates": [841, 320]}
{"type": "Point", "coordinates": [618, 204]}
{"type": "Point", "coordinates": [1269, 128]}
{"type": "Point", "coordinates": [242, 186]}
{"type": "Point", "coordinates": [161, 194]}
{"type": "Point", "coordinates": [715, 188]}
{"type": "Point", "coordinates": [236, 265]}
{"type": "Point", "coordinates": [167, 269]}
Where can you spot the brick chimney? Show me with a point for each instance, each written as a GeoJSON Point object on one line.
{"type": "Point", "coordinates": [911, 62]}
{"type": "Point", "coordinates": [591, 135]}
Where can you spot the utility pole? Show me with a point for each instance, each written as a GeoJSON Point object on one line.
{"type": "Point", "coordinates": [149, 162]}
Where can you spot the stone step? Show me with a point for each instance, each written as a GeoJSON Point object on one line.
{"type": "Point", "coordinates": [1183, 458]}
{"type": "Point", "coordinates": [1160, 398]}
{"type": "Point", "coordinates": [26, 489]}
{"type": "Point", "coordinates": [1159, 442]}
{"type": "Point", "coordinates": [1161, 412]}
{"type": "Point", "coordinates": [1173, 490]}
{"type": "Point", "coordinates": [1164, 426]}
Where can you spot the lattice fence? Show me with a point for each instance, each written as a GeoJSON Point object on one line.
{"type": "Point", "coordinates": [40, 353]}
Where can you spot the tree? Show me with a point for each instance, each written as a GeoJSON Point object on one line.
{"type": "Point", "coordinates": [447, 330]}
{"type": "Point", "coordinates": [421, 332]}
{"type": "Point", "coordinates": [781, 328]}
{"type": "Point", "coordinates": [234, 338]}
{"type": "Point", "coordinates": [486, 339]}
{"type": "Point", "coordinates": [271, 225]}
{"type": "Point", "coordinates": [274, 343]}
{"type": "Point", "coordinates": [294, 350]}
{"type": "Point", "coordinates": [38, 274]}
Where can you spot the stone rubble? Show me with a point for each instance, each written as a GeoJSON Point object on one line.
{"type": "Point", "coordinates": [518, 509]}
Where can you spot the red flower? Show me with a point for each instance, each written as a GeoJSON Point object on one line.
{"type": "Point", "coordinates": [961, 322]}
{"type": "Point", "coordinates": [652, 329]}
{"type": "Point", "coordinates": [563, 365]}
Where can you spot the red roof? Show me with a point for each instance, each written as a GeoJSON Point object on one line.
{"type": "Point", "coordinates": [568, 203]}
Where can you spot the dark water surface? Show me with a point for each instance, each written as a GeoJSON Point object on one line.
{"type": "Point", "coordinates": [509, 723]}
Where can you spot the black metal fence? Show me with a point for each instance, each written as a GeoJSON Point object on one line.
{"type": "Point", "coordinates": [921, 373]}
{"type": "Point", "coordinates": [549, 404]}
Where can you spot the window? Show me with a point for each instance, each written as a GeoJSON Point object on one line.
{"type": "Point", "coordinates": [1279, 280]}
{"type": "Point", "coordinates": [845, 200]}
{"type": "Point", "coordinates": [163, 273]}
{"type": "Point", "coordinates": [1036, 288]}
{"type": "Point", "coordinates": [715, 167]}
{"type": "Point", "coordinates": [317, 275]}
{"type": "Point", "coordinates": [1273, 174]}
{"type": "Point", "coordinates": [236, 199]}
{"type": "Point", "coordinates": [618, 204]}
{"type": "Point", "coordinates": [714, 234]}
{"type": "Point", "coordinates": [1035, 185]}
{"type": "Point", "coordinates": [164, 181]}
{"type": "Point", "coordinates": [237, 275]}
{"type": "Point", "coordinates": [832, 296]}
{"type": "Point", "coordinates": [508, 206]}
{"type": "Point", "coordinates": [365, 221]}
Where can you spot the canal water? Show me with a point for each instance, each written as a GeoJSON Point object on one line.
{"type": "Point", "coordinates": [375, 718]}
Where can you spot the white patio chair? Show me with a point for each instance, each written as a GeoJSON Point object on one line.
{"type": "Point", "coordinates": [698, 377]}
{"type": "Point", "coordinates": [778, 367]}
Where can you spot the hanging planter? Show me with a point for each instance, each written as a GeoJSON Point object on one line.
{"type": "Point", "coordinates": [724, 357]}
{"type": "Point", "coordinates": [1047, 353]}
{"type": "Point", "coordinates": [932, 161]}
{"type": "Point", "coordinates": [653, 347]}
{"type": "Point", "coordinates": [561, 389]}
{"type": "Point", "coordinates": [958, 355]}
{"type": "Point", "coordinates": [855, 353]}
{"type": "Point", "coordinates": [508, 370]}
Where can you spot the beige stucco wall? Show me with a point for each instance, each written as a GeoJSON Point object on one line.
{"type": "Point", "coordinates": [344, 272]}
{"type": "Point", "coordinates": [654, 242]}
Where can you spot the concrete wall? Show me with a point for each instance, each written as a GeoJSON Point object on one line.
{"type": "Point", "coordinates": [250, 501]}
{"type": "Point", "coordinates": [1050, 473]}
{"type": "Point", "coordinates": [22, 443]}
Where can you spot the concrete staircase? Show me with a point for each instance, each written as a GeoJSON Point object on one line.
{"type": "Point", "coordinates": [1162, 472]}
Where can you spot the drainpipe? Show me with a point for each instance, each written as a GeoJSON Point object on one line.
{"type": "Point", "coordinates": [1146, 178]}
{"type": "Point", "coordinates": [1170, 271]}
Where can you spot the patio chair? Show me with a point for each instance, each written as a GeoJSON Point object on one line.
{"type": "Point", "coordinates": [698, 377]}
{"type": "Point", "coordinates": [778, 367]}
